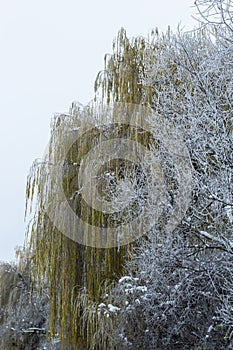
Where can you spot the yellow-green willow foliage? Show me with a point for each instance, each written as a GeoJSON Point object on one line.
{"type": "Point", "coordinates": [122, 79]}
{"type": "Point", "coordinates": [77, 275]}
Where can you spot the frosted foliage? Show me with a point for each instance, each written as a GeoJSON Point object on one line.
{"type": "Point", "coordinates": [178, 291]}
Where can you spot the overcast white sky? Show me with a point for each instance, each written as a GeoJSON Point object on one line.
{"type": "Point", "coordinates": [50, 53]}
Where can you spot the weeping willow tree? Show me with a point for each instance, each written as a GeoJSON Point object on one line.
{"type": "Point", "coordinates": [71, 260]}
{"type": "Point", "coordinates": [77, 274]}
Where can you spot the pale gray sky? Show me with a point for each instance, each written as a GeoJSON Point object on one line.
{"type": "Point", "coordinates": [50, 53]}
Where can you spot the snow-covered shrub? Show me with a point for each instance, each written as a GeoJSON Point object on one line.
{"type": "Point", "coordinates": [23, 310]}
{"type": "Point", "coordinates": [176, 300]}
